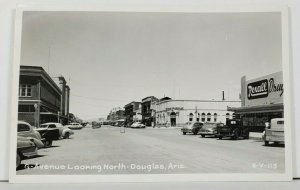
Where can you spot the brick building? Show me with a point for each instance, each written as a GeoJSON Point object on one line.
{"type": "Point", "coordinates": [147, 110]}
{"type": "Point", "coordinates": [41, 100]}
{"type": "Point", "coordinates": [133, 112]}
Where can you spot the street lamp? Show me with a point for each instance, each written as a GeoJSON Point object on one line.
{"type": "Point", "coordinates": [58, 117]}
{"type": "Point", "coordinates": [35, 115]}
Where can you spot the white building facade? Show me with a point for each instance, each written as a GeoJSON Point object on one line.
{"type": "Point", "coordinates": [179, 112]}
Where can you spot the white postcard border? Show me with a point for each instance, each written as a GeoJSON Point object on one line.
{"type": "Point", "coordinates": [287, 176]}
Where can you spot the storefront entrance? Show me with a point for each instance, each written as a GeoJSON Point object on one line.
{"type": "Point", "coordinates": [173, 119]}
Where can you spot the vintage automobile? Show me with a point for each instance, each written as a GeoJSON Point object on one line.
{"type": "Point", "coordinates": [95, 125]}
{"type": "Point", "coordinates": [191, 127]}
{"type": "Point", "coordinates": [137, 125]}
{"type": "Point", "coordinates": [64, 132]}
{"type": "Point", "coordinates": [44, 135]}
{"type": "Point", "coordinates": [274, 131]}
{"type": "Point", "coordinates": [209, 129]}
{"type": "Point", "coordinates": [233, 129]}
{"type": "Point", "coordinates": [75, 126]}
{"type": "Point", "coordinates": [26, 147]}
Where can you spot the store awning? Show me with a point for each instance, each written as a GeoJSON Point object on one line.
{"type": "Point", "coordinates": [53, 114]}
{"type": "Point", "coordinates": [257, 109]}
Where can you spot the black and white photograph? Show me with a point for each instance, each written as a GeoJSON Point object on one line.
{"type": "Point", "coordinates": [151, 95]}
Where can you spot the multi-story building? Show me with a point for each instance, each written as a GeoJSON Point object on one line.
{"type": "Point", "coordinates": [147, 111]}
{"type": "Point", "coordinates": [40, 98]}
{"type": "Point", "coordinates": [133, 112]}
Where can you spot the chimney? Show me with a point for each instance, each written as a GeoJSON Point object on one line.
{"type": "Point", "coordinates": [223, 96]}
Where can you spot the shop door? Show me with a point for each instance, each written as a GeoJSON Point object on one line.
{"type": "Point", "coordinates": [173, 119]}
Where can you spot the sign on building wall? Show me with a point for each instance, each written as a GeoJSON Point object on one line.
{"type": "Point", "coordinates": [264, 90]}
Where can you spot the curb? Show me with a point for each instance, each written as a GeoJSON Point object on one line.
{"type": "Point", "coordinates": [255, 136]}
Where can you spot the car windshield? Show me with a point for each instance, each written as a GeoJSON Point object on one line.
{"type": "Point", "coordinates": [44, 125]}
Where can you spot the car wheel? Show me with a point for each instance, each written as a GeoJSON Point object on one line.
{"type": "Point", "coordinates": [195, 132]}
{"type": "Point", "coordinates": [202, 136]}
{"type": "Point", "coordinates": [236, 135]}
{"type": "Point", "coordinates": [48, 143]}
{"type": "Point", "coordinates": [67, 135]}
{"type": "Point", "coordinates": [266, 143]}
{"type": "Point", "coordinates": [184, 133]}
{"type": "Point", "coordinates": [18, 160]}
{"type": "Point", "coordinates": [247, 136]}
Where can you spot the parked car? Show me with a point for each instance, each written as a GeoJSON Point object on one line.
{"type": "Point", "coordinates": [39, 135]}
{"type": "Point", "coordinates": [233, 129]}
{"type": "Point", "coordinates": [25, 148]}
{"type": "Point", "coordinates": [64, 132]}
{"type": "Point", "coordinates": [191, 127]}
{"type": "Point", "coordinates": [137, 125]}
{"type": "Point", "coordinates": [75, 126]}
{"type": "Point", "coordinates": [96, 125]}
{"type": "Point", "coordinates": [274, 131]}
{"type": "Point", "coordinates": [209, 129]}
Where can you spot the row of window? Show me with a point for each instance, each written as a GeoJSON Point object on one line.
{"type": "Point", "coordinates": [25, 90]}
{"type": "Point", "coordinates": [204, 117]}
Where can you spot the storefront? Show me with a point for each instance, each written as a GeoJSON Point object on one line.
{"type": "Point", "coordinates": [262, 100]}
{"type": "Point", "coordinates": [179, 112]}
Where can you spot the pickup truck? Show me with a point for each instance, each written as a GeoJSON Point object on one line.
{"type": "Point", "coordinates": [274, 131]}
{"type": "Point", "coordinates": [233, 129]}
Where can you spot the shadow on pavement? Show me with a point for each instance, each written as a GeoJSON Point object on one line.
{"type": "Point", "coordinates": [53, 146]}
{"type": "Point", "coordinates": [275, 145]}
{"type": "Point", "coordinates": [26, 166]}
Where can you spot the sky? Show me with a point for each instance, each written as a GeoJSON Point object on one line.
{"type": "Point", "coordinates": [112, 58]}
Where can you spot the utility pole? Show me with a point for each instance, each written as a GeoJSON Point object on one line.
{"type": "Point", "coordinates": [49, 54]}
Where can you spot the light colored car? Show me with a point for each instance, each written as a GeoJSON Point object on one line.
{"type": "Point", "coordinates": [137, 125]}
{"type": "Point", "coordinates": [209, 129]}
{"type": "Point", "coordinates": [74, 126]}
{"type": "Point", "coordinates": [191, 127]}
{"type": "Point", "coordinates": [27, 131]}
{"type": "Point", "coordinates": [64, 131]}
{"type": "Point", "coordinates": [26, 147]}
{"type": "Point", "coordinates": [274, 131]}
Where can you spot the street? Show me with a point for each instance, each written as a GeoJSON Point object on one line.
{"type": "Point", "coordinates": [152, 150]}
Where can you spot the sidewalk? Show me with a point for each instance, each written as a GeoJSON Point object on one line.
{"type": "Point", "coordinates": [255, 135]}
{"type": "Point", "coordinates": [163, 127]}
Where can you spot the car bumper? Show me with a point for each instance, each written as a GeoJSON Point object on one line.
{"type": "Point", "coordinates": [207, 133]}
{"type": "Point", "coordinates": [185, 130]}
{"type": "Point", "coordinates": [274, 138]}
{"type": "Point", "coordinates": [29, 151]}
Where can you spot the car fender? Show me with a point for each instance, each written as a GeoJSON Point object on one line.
{"type": "Point", "coordinates": [39, 144]}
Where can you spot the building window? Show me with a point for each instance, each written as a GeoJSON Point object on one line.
{"type": "Point", "coordinates": [191, 117]}
{"type": "Point", "coordinates": [203, 117]}
{"type": "Point", "coordinates": [198, 117]}
{"type": "Point", "coordinates": [25, 90]}
{"type": "Point", "coordinates": [233, 116]}
{"type": "Point", "coordinates": [227, 116]}
{"type": "Point", "coordinates": [215, 117]}
{"type": "Point", "coordinates": [208, 117]}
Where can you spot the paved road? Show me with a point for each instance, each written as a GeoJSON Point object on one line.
{"type": "Point", "coordinates": [142, 151]}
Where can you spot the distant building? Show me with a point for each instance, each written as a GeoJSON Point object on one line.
{"type": "Point", "coordinates": [147, 111]}
{"type": "Point", "coordinates": [41, 100]}
{"type": "Point", "coordinates": [178, 112]}
{"type": "Point", "coordinates": [116, 114]}
{"type": "Point", "coordinates": [133, 112]}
